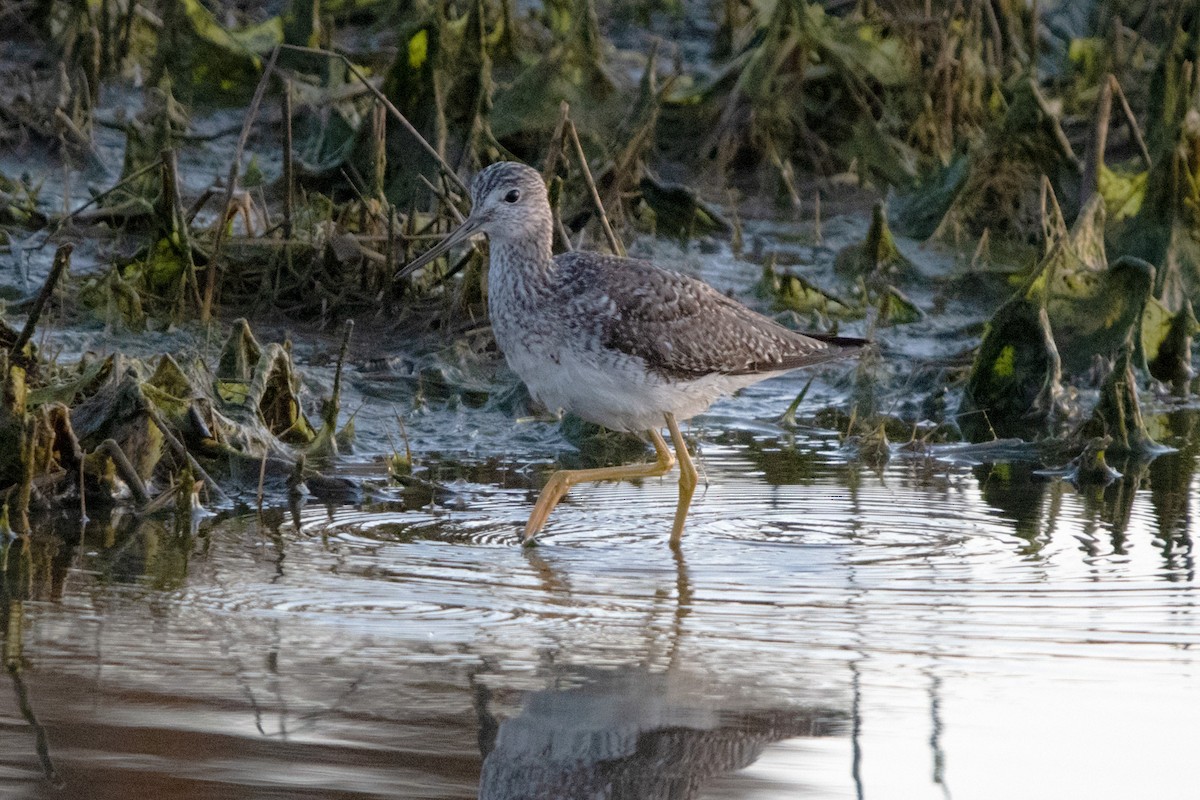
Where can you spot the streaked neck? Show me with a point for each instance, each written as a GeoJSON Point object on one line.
{"type": "Point", "coordinates": [521, 256]}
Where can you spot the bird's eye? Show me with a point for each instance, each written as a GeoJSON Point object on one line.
{"type": "Point", "coordinates": [512, 197]}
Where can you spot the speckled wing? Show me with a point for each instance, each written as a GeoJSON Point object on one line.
{"type": "Point", "coordinates": [682, 327]}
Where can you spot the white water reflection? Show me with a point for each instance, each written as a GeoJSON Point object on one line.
{"type": "Point", "coordinates": [928, 631]}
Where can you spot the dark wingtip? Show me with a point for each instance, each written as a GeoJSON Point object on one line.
{"type": "Point", "coordinates": [844, 342]}
{"type": "Point", "coordinates": [840, 347]}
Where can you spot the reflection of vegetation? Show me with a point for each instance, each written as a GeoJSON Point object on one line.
{"type": "Point", "coordinates": [1112, 504]}
{"type": "Point", "coordinates": [12, 611]}
{"type": "Point", "coordinates": [600, 447]}
{"type": "Point", "coordinates": [1171, 494]}
{"type": "Point", "coordinates": [1014, 489]}
{"type": "Point", "coordinates": [781, 463]}
{"type": "Point", "coordinates": [124, 549]}
{"type": "Point", "coordinates": [148, 552]}
{"type": "Point", "coordinates": [30, 569]}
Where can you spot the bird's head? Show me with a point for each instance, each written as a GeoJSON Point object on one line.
{"type": "Point", "coordinates": [508, 203]}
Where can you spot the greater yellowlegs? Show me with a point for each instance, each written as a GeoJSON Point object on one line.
{"type": "Point", "coordinates": [617, 341]}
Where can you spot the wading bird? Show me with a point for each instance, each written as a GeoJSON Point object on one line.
{"type": "Point", "coordinates": [617, 341]}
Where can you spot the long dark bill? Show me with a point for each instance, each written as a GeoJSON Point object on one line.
{"type": "Point", "coordinates": [462, 233]}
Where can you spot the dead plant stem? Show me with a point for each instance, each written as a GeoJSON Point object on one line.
{"type": "Point", "coordinates": [262, 479]}
{"type": "Point", "coordinates": [1131, 120]}
{"type": "Point", "coordinates": [395, 112]}
{"type": "Point", "coordinates": [62, 260]}
{"type": "Point", "coordinates": [335, 401]}
{"type": "Point", "coordinates": [126, 471]}
{"type": "Point", "coordinates": [181, 452]}
{"type": "Point", "coordinates": [210, 282]}
{"type": "Point", "coordinates": [179, 225]}
{"type": "Point", "coordinates": [1097, 146]}
{"type": "Point", "coordinates": [289, 180]}
{"type": "Point", "coordinates": [613, 241]}
{"type": "Point", "coordinates": [552, 159]}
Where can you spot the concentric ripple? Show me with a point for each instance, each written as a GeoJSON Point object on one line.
{"type": "Point", "coordinates": [886, 558]}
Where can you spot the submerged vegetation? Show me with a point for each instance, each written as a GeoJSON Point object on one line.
{"type": "Point", "coordinates": [1055, 158]}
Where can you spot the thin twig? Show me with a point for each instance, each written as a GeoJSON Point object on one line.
{"type": "Point", "coordinates": [199, 203]}
{"type": "Point", "coordinates": [210, 282]}
{"type": "Point", "coordinates": [289, 180]}
{"type": "Point", "coordinates": [613, 241]}
{"type": "Point", "coordinates": [389, 252]}
{"type": "Point", "coordinates": [83, 517]}
{"type": "Point", "coordinates": [556, 139]}
{"type": "Point", "coordinates": [1131, 120]}
{"type": "Point", "coordinates": [403, 435]}
{"type": "Point", "coordinates": [552, 159]}
{"type": "Point", "coordinates": [80, 138]}
{"type": "Point", "coordinates": [25, 492]}
{"type": "Point", "coordinates": [379, 157]}
{"type": "Point", "coordinates": [441, 195]}
{"type": "Point", "coordinates": [166, 498]}
{"type": "Point", "coordinates": [997, 36]}
{"type": "Point", "coordinates": [62, 259]}
{"type": "Point", "coordinates": [1034, 19]}
{"type": "Point", "coordinates": [817, 216]}
{"type": "Point", "coordinates": [335, 401]}
{"type": "Point", "coordinates": [395, 112]}
{"type": "Point", "coordinates": [182, 452]}
{"type": "Point", "coordinates": [262, 479]}
{"type": "Point", "coordinates": [288, 193]}
{"type": "Point", "coordinates": [97, 198]}
{"type": "Point", "coordinates": [126, 470]}
{"type": "Point", "coordinates": [179, 225]}
{"type": "Point", "coordinates": [1095, 153]}
{"type": "Point", "coordinates": [562, 232]}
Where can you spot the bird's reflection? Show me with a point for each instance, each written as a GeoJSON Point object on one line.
{"type": "Point", "coordinates": [625, 734]}
{"type": "Point", "coordinates": [646, 730]}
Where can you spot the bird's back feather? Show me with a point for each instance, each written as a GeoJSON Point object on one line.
{"type": "Point", "coordinates": [680, 326]}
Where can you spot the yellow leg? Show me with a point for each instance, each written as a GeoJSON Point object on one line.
{"type": "Point", "coordinates": [561, 481]}
{"type": "Point", "coordinates": [687, 479]}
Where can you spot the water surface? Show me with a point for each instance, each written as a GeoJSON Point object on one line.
{"type": "Point", "coordinates": [930, 629]}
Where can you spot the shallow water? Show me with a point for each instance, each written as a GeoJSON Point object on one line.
{"type": "Point", "coordinates": [931, 629]}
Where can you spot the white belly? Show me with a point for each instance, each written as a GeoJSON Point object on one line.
{"type": "Point", "coordinates": [615, 390]}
